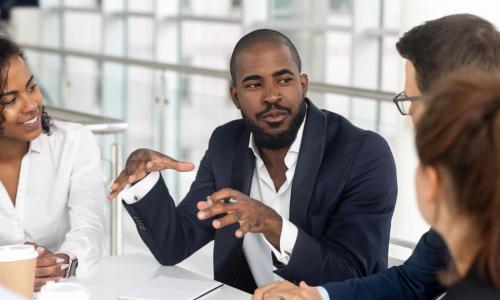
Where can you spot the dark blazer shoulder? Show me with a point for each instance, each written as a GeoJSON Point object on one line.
{"type": "Point", "coordinates": [224, 138]}
{"type": "Point", "coordinates": [230, 131]}
{"type": "Point", "coordinates": [342, 133]}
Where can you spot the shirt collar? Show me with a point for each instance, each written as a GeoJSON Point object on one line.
{"type": "Point", "coordinates": [294, 148]}
{"type": "Point", "coordinates": [35, 144]}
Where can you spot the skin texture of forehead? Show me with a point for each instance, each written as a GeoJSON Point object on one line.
{"type": "Point", "coordinates": [264, 54]}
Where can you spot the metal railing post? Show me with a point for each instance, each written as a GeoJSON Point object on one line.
{"type": "Point", "coordinates": [116, 206]}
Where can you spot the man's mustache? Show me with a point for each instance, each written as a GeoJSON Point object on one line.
{"type": "Point", "coordinates": [270, 107]}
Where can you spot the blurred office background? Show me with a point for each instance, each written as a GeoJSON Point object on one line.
{"type": "Point", "coordinates": [161, 67]}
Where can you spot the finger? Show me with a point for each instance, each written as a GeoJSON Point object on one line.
{"type": "Point", "coordinates": [259, 293]}
{"type": "Point", "coordinates": [226, 193]}
{"type": "Point", "coordinates": [41, 252]}
{"type": "Point", "coordinates": [244, 229]}
{"type": "Point", "coordinates": [304, 285]}
{"type": "Point", "coordinates": [163, 162]}
{"type": "Point", "coordinates": [216, 209]}
{"type": "Point", "coordinates": [31, 243]}
{"type": "Point", "coordinates": [39, 282]}
{"type": "Point", "coordinates": [49, 260]}
{"type": "Point", "coordinates": [225, 221]}
{"type": "Point", "coordinates": [201, 205]}
{"type": "Point", "coordinates": [119, 184]}
{"type": "Point", "coordinates": [51, 271]}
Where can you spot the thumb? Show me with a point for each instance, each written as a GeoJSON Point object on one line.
{"type": "Point", "coordinates": [183, 166]}
{"type": "Point", "coordinates": [304, 285]}
{"type": "Point", "coordinates": [169, 163]}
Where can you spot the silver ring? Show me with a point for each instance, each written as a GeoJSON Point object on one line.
{"type": "Point", "coordinates": [281, 297]}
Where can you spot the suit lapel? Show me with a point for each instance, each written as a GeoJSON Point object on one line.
{"type": "Point", "coordinates": [235, 269]}
{"type": "Point", "coordinates": [309, 162]}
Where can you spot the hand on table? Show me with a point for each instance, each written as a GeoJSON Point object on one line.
{"type": "Point", "coordinates": [140, 163]}
{"type": "Point", "coordinates": [252, 215]}
{"type": "Point", "coordinates": [285, 290]}
{"type": "Point", "coordinates": [49, 266]}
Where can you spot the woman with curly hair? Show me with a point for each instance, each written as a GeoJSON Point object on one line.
{"type": "Point", "coordinates": [51, 188]}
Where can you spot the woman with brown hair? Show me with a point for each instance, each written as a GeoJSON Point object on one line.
{"type": "Point", "coordinates": [458, 179]}
{"type": "Point", "coordinates": [51, 188]}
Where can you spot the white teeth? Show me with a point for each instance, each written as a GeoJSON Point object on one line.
{"type": "Point", "coordinates": [32, 121]}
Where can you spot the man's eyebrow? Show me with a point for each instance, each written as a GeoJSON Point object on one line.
{"type": "Point", "coordinates": [282, 72]}
{"type": "Point", "coordinates": [29, 81]}
{"type": "Point", "coordinates": [251, 77]}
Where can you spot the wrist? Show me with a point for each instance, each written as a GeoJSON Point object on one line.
{"type": "Point", "coordinates": [72, 262]}
{"type": "Point", "coordinates": [273, 234]}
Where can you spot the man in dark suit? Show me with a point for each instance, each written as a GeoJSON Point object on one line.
{"type": "Point", "coordinates": [431, 50]}
{"type": "Point", "coordinates": [287, 191]}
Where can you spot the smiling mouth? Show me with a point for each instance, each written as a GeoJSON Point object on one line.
{"type": "Point", "coordinates": [32, 120]}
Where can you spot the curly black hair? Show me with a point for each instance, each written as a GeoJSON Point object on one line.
{"type": "Point", "coordinates": [8, 49]}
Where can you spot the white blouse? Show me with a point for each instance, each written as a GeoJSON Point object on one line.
{"type": "Point", "coordinates": [60, 196]}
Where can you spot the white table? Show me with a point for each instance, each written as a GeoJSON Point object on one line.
{"type": "Point", "coordinates": [114, 275]}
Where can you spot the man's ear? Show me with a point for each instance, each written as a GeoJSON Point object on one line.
{"type": "Point", "coordinates": [304, 82]}
{"type": "Point", "coordinates": [234, 96]}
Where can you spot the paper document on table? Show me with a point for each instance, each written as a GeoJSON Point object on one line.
{"type": "Point", "coordinates": [169, 288]}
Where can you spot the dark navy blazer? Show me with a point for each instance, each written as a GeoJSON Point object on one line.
{"type": "Point", "coordinates": [417, 278]}
{"type": "Point", "coordinates": [343, 197]}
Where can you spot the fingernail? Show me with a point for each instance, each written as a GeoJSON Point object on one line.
{"type": "Point", "coordinates": [201, 215]}
{"type": "Point", "coordinates": [59, 260]}
{"type": "Point", "coordinates": [40, 250]}
{"type": "Point", "coordinates": [64, 266]}
{"type": "Point", "coordinates": [216, 224]}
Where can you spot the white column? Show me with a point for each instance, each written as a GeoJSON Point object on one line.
{"type": "Point", "coordinates": [365, 60]}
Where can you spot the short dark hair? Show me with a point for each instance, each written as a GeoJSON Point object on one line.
{"type": "Point", "coordinates": [261, 36]}
{"type": "Point", "coordinates": [9, 49]}
{"type": "Point", "coordinates": [447, 44]}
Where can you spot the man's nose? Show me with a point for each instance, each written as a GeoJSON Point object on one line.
{"type": "Point", "coordinates": [271, 93]}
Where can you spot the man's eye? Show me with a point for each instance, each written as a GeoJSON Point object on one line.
{"type": "Point", "coordinates": [252, 85]}
{"type": "Point", "coordinates": [284, 80]}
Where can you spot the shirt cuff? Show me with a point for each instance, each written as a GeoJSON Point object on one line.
{"type": "Point", "coordinates": [289, 233]}
{"type": "Point", "coordinates": [324, 294]}
{"type": "Point", "coordinates": [134, 193]}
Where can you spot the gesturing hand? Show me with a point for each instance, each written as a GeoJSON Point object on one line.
{"type": "Point", "coordinates": [252, 215]}
{"type": "Point", "coordinates": [140, 163]}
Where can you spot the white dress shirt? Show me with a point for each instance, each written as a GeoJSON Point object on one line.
{"type": "Point", "coordinates": [60, 196]}
{"type": "Point", "coordinates": [256, 248]}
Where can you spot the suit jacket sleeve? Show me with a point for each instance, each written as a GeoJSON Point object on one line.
{"type": "Point", "coordinates": [172, 234]}
{"type": "Point", "coordinates": [356, 235]}
{"type": "Point", "coordinates": [415, 279]}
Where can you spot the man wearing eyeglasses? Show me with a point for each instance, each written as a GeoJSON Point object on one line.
{"type": "Point", "coordinates": [431, 50]}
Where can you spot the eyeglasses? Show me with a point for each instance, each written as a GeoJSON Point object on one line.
{"type": "Point", "coordinates": [403, 102]}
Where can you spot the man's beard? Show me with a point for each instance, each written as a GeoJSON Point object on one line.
{"type": "Point", "coordinates": [281, 139]}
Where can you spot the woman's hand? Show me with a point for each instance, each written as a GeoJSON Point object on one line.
{"type": "Point", "coordinates": [49, 266]}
